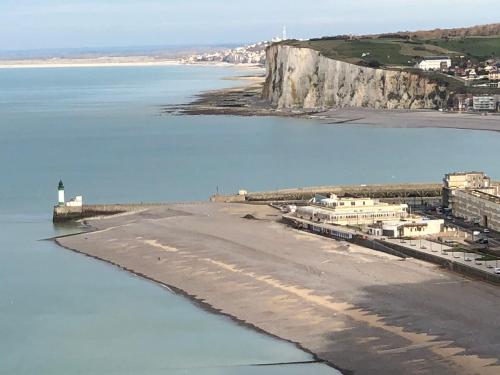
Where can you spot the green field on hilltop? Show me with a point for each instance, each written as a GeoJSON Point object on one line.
{"type": "Point", "coordinates": [474, 47]}
{"type": "Point", "coordinates": [401, 51]}
{"type": "Point", "coordinates": [365, 51]}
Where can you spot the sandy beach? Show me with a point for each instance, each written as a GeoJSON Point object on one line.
{"type": "Point", "coordinates": [111, 61]}
{"type": "Point", "coordinates": [410, 119]}
{"type": "Point", "coordinates": [363, 311]}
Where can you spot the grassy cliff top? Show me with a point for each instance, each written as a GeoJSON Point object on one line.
{"type": "Point", "coordinates": [393, 50]}
{"type": "Point", "coordinates": [401, 52]}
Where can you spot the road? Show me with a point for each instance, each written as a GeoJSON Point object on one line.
{"type": "Point", "coordinates": [493, 236]}
{"type": "Point", "coordinates": [466, 258]}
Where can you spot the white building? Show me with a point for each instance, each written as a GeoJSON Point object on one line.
{"type": "Point", "coordinates": [484, 103]}
{"type": "Point", "coordinates": [464, 180]}
{"type": "Point", "coordinates": [478, 205]}
{"type": "Point", "coordinates": [351, 211]}
{"type": "Point", "coordinates": [75, 202]}
{"type": "Point", "coordinates": [416, 227]}
{"type": "Point", "coordinates": [435, 63]}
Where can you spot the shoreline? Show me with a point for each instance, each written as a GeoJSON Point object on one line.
{"type": "Point", "coordinates": [273, 279]}
{"type": "Point", "coordinates": [245, 100]}
{"type": "Point", "coordinates": [109, 62]}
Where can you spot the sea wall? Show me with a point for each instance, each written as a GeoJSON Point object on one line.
{"type": "Point", "coordinates": [302, 78]}
{"type": "Point", "coordinates": [64, 213]}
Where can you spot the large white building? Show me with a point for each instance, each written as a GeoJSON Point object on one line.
{"type": "Point", "coordinates": [435, 63]}
{"type": "Point", "coordinates": [479, 206]}
{"type": "Point", "coordinates": [463, 180]}
{"type": "Point", "coordinates": [474, 197]}
{"type": "Point", "coordinates": [351, 211]}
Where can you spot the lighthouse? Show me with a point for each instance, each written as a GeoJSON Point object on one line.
{"type": "Point", "coordinates": [60, 191]}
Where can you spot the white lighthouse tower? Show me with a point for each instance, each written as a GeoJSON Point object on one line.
{"type": "Point", "coordinates": [60, 189]}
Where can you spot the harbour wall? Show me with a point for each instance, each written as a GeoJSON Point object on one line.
{"type": "Point", "coordinates": [65, 213]}
{"type": "Point", "coordinates": [417, 194]}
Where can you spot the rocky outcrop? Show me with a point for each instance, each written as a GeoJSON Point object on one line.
{"type": "Point", "coordinates": [303, 78]}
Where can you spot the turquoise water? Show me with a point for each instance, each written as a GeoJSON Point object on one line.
{"type": "Point", "coordinates": [62, 313]}
{"type": "Point", "coordinates": [101, 131]}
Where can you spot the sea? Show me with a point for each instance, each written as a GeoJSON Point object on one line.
{"type": "Point", "coordinates": [103, 132]}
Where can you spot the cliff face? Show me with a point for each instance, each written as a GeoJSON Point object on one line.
{"type": "Point", "coordinates": [303, 78]}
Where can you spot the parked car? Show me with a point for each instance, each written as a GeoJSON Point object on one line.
{"type": "Point", "coordinates": [486, 230]}
{"type": "Point", "coordinates": [483, 241]}
{"type": "Point", "coordinates": [497, 270]}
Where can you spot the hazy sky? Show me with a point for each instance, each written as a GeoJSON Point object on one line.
{"type": "Point", "coordinates": [32, 24]}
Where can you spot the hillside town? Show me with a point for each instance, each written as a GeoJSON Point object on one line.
{"type": "Point", "coordinates": [480, 74]}
{"type": "Point", "coordinates": [254, 54]}
{"type": "Point", "coordinates": [474, 74]}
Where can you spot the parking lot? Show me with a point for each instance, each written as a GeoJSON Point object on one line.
{"type": "Point", "coordinates": [468, 227]}
{"type": "Point", "coordinates": [443, 251]}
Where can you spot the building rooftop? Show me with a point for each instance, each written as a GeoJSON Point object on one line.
{"type": "Point", "coordinates": [481, 194]}
{"type": "Point", "coordinates": [464, 173]}
{"type": "Point", "coordinates": [340, 228]}
{"type": "Point", "coordinates": [436, 58]}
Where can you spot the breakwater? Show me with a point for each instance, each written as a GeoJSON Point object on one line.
{"type": "Point", "coordinates": [419, 193]}
{"type": "Point", "coordinates": [65, 213]}
{"type": "Point", "coordinates": [416, 194]}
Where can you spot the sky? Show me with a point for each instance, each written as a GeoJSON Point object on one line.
{"type": "Point", "coordinates": [48, 24]}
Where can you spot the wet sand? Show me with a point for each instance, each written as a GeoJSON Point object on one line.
{"type": "Point", "coordinates": [362, 311]}
{"type": "Point", "coordinates": [410, 119]}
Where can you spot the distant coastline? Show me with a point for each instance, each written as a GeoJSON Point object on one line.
{"type": "Point", "coordinates": [105, 62]}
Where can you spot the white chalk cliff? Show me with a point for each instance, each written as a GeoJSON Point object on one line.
{"type": "Point", "coordinates": [303, 78]}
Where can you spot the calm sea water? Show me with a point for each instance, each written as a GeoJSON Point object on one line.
{"type": "Point", "coordinates": [101, 131]}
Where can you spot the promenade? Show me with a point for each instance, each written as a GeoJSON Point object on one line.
{"type": "Point", "coordinates": [465, 258]}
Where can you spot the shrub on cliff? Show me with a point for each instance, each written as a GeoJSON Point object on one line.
{"type": "Point", "coordinates": [374, 64]}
